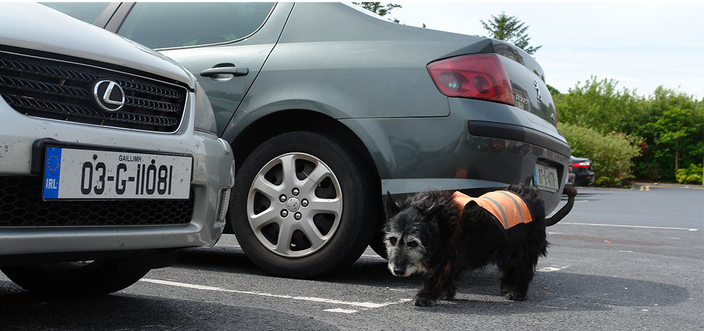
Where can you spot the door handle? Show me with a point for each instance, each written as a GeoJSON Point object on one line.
{"type": "Point", "coordinates": [230, 70]}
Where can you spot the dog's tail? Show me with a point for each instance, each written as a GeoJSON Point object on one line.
{"type": "Point", "coordinates": [571, 193]}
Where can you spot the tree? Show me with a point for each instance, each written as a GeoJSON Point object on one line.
{"type": "Point", "coordinates": [675, 127]}
{"type": "Point", "coordinates": [667, 126]}
{"type": "Point", "coordinates": [511, 29]}
{"type": "Point", "coordinates": [602, 106]}
{"type": "Point", "coordinates": [379, 9]}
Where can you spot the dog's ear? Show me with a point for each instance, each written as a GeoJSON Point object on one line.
{"type": "Point", "coordinates": [422, 205]}
{"type": "Point", "coordinates": [392, 208]}
{"type": "Point", "coordinates": [425, 205]}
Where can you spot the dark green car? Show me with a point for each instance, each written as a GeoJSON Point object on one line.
{"type": "Point", "coordinates": [327, 107]}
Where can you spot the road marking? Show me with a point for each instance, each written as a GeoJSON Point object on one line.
{"type": "Point", "coordinates": [373, 256]}
{"type": "Point", "coordinates": [229, 245]}
{"type": "Point", "coordinates": [550, 269]}
{"type": "Point", "coordinates": [339, 310]}
{"type": "Point", "coordinates": [692, 187]}
{"type": "Point", "coordinates": [363, 305]}
{"type": "Point", "coordinates": [633, 226]}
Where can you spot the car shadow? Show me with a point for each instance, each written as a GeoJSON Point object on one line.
{"type": "Point", "coordinates": [21, 310]}
{"type": "Point", "coordinates": [557, 290]}
{"type": "Point", "coordinates": [225, 259]}
{"type": "Point", "coordinates": [561, 291]}
{"type": "Point", "coordinates": [587, 194]}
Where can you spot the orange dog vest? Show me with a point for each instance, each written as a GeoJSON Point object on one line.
{"type": "Point", "coordinates": [506, 206]}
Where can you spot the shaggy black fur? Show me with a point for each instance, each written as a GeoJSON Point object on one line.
{"type": "Point", "coordinates": [423, 235]}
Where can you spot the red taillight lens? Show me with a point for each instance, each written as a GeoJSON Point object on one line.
{"type": "Point", "coordinates": [554, 111]}
{"type": "Point", "coordinates": [584, 164]}
{"type": "Point", "coordinates": [476, 76]}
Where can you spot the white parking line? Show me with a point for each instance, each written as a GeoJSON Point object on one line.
{"type": "Point", "coordinates": [362, 305]}
{"type": "Point", "coordinates": [340, 310]}
{"type": "Point", "coordinates": [550, 269]}
{"type": "Point", "coordinates": [633, 226]}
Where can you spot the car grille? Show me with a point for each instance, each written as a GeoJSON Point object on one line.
{"type": "Point", "coordinates": [22, 205]}
{"type": "Point", "coordinates": [62, 90]}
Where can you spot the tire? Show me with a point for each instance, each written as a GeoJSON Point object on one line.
{"type": "Point", "coordinates": [302, 205]}
{"type": "Point", "coordinates": [74, 279]}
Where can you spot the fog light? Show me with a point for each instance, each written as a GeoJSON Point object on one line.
{"type": "Point", "coordinates": [224, 204]}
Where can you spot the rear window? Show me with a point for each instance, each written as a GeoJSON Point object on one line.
{"type": "Point", "coordinates": [84, 11]}
{"type": "Point", "coordinates": [163, 25]}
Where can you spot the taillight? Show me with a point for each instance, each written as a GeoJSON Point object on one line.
{"type": "Point", "coordinates": [554, 111]}
{"type": "Point", "coordinates": [476, 76]}
{"type": "Point", "coordinates": [583, 164]}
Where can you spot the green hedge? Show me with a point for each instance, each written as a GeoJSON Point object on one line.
{"type": "Point", "coordinates": [612, 154]}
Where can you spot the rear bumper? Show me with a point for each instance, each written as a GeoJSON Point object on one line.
{"type": "Point", "coordinates": [583, 177]}
{"type": "Point", "coordinates": [481, 146]}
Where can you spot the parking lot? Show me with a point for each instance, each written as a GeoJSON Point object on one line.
{"type": "Point", "coordinates": [623, 259]}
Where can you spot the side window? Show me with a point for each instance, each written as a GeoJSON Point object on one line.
{"type": "Point", "coordinates": [162, 25]}
{"type": "Point", "coordinates": [85, 11]}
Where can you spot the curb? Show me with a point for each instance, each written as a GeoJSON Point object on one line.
{"type": "Point", "coordinates": [670, 185]}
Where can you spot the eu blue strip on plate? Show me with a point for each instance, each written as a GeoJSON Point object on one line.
{"type": "Point", "coordinates": [52, 173]}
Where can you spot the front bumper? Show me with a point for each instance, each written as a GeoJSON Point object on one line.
{"type": "Point", "coordinates": [213, 176]}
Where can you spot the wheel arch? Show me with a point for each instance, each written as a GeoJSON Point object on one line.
{"type": "Point", "coordinates": [298, 120]}
{"type": "Point", "coordinates": [306, 120]}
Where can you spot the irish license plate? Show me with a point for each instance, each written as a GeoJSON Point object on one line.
{"type": "Point", "coordinates": [545, 178]}
{"type": "Point", "coordinates": [106, 175]}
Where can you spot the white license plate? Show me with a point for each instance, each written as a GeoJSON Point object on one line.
{"type": "Point", "coordinates": [545, 178]}
{"type": "Point", "coordinates": [105, 175]}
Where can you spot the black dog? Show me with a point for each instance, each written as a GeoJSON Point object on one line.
{"type": "Point", "coordinates": [440, 234]}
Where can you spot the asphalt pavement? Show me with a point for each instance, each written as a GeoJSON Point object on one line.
{"type": "Point", "coordinates": [623, 259]}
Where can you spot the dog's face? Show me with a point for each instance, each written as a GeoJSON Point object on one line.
{"type": "Point", "coordinates": [405, 232]}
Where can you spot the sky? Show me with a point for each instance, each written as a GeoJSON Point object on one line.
{"type": "Point", "coordinates": [641, 45]}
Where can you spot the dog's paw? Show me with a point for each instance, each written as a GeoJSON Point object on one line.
{"type": "Point", "coordinates": [515, 296]}
{"type": "Point", "coordinates": [449, 295]}
{"type": "Point", "coordinates": [506, 289]}
{"type": "Point", "coordinates": [424, 301]}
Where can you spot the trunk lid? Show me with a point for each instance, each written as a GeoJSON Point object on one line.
{"type": "Point", "coordinates": [527, 78]}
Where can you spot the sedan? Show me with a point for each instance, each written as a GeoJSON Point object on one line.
{"type": "Point", "coordinates": [583, 172]}
{"type": "Point", "coordinates": [328, 106]}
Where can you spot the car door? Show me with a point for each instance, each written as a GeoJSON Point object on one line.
{"type": "Point", "coordinates": [223, 44]}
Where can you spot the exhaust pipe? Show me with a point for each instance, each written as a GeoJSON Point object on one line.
{"type": "Point", "coordinates": [571, 193]}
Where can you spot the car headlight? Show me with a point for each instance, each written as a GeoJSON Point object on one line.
{"type": "Point", "coordinates": [205, 117]}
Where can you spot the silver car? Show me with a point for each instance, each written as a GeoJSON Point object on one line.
{"type": "Point", "coordinates": [109, 158]}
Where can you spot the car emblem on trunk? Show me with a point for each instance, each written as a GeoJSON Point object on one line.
{"type": "Point", "coordinates": [537, 89]}
{"type": "Point", "coordinates": [108, 95]}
